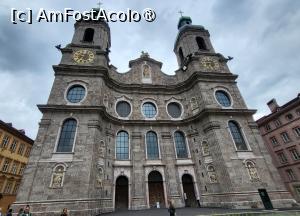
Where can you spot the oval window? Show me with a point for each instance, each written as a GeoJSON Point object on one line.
{"type": "Point", "coordinates": [123, 108]}
{"type": "Point", "coordinates": [223, 98]}
{"type": "Point", "coordinates": [174, 109]}
{"type": "Point", "coordinates": [149, 110]}
{"type": "Point", "coordinates": [76, 93]}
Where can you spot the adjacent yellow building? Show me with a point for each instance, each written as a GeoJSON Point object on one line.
{"type": "Point", "coordinates": [15, 149]}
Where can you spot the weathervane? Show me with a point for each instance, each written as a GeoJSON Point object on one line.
{"type": "Point", "coordinates": [180, 12]}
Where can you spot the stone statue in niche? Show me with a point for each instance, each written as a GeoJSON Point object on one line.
{"type": "Point", "coordinates": [212, 174]}
{"type": "Point", "coordinates": [99, 181]}
{"type": "Point", "coordinates": [146, 71]}
{"type": "Point", "coordinates": [205, 148]}
{"type": "Point", "coordinates": [213, 178]}
{"type": "Point", "coordinates": [57, 177]}
{"type": "Point", "coordinates": [99, 176]}
{"type": "Point", "coordinates": [252, 171]}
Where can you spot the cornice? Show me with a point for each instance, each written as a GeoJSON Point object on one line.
{"type": "Point", "coordinates": [102, 110]}
{"type": "Point", "coordinates": [100, 71]}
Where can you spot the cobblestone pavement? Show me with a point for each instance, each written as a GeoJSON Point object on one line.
{"type": "Point", "coordinates": [190, 212]}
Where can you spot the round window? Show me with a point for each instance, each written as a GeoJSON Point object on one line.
{"type": "Point", "coordinates": [174, 110]}
{"type": "Point", "coordinates": [123, 108]}
{"type": "Point", "coordinates": [223, 98]}
{"type": "Point", "coordinates": [149, 109]}
{"type": "Point", "coordinates": [76, 93]}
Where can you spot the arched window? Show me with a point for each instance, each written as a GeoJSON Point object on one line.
{"type": "Point", "coordinates": [88, 35]}
{"type": "Point", "coordinates": [152, 145]}
{"type": "Point", "coordinates": [252, 171]}
{"type": "Point", "coordinates": [201, 43]}
{"type": "Point", "coordinates": [180, 144]}
{"type": "Point", "coordinates": [67, 136]}
{"type": "Point", "coordinates": [122, 147]}
{"type": "Point", "coordinates": [237, 136]}
{"type": "Point", "coordinates": [180, 53]}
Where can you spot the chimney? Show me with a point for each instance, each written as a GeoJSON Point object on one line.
{"type": "Point", "coordinates": [273, 106]}
{"type": "Point", "coordinates": [22, 131]}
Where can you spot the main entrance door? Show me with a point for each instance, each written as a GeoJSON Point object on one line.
{"type": "Point", "coordinates": [121, 196]}
{"type": "Point", "coordinates": [156, 189]}
{"type": "Point", "coordinates": [189, 191]}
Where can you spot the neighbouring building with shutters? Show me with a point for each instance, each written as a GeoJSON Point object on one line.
{"type": "Point", "coordinates": [109, 140]}
{"type": "Point", "coordinates": [15, 149]}
{"type": "Point", "coordinates": [281, 133]}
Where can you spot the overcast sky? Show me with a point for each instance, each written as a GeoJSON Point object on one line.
{"type": "Point", "coordinates": [263, 36]}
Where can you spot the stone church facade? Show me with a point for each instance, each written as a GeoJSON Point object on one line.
{"type": "Point", "coordinates": [110, 140]}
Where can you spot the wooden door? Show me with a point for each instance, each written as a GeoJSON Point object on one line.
{"type": "Point", "coordinates": [156, 189]}
{"type": "Point", "coordinates": [121, 195]}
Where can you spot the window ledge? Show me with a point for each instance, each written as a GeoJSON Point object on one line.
{"type": "Point", "coordinates": [150, 162]}
{"type": "Point", "coordinates": [62, 156]}
{"type": "Point", "coordinates": [122, 163]}
{"type": "Point", "coordinates": [184, 162]}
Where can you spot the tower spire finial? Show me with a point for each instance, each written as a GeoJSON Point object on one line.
{"type": "Point", "coordinates": [99, 4]}
{"type": "Point", "coordinates": [180, 13]}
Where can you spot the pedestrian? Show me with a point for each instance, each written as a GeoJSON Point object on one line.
{"type": "Point", "coordinates": [27, 211]}
{"type": "Point", "coordinates": [64, 212]}
{"type": "Point", "coordinates": [21, 211]}
{"type": "Point", "coordinates": [9, 213]}
{"type": "Point", "coordinates": [171, 209]}
{"type": "Point", "coordinates": [0, 211]}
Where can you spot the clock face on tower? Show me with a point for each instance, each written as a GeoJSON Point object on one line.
{"type": "Point", "coordinates": [83, 56]}
{"type": "Point", "coordinates": [210, 63]}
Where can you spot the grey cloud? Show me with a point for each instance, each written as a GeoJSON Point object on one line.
{"type": "Point", "coordinates": [263, 36]}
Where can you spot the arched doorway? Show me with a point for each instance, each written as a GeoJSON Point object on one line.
{"type": "Point", "coordinates": [121, 194]}
{"type": "Point", "coordinates": [189, 191]}
{"type": "Point", "coordinates": [156, 189]}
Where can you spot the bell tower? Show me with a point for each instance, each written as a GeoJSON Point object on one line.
{"type": "Point", "coordinates": [190, 40]}
{"type": "Point", "coordinates": [90, 44]}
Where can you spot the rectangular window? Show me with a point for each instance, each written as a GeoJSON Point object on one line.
{"type": "Point", "coordinates": [295, 154]}
{"type": "Point", "coordinates": [291, 175]}
{"type": "Point", "coordinates": [21, 171]}
{"type": "Point", "coordinates": [7, 188]}
{"type": "Point", "coordinates": [21, 149]}
{"type": "Point", "coordinates": [13, 146]}
{"type": "Point", "coordinates": [16, 188]}
{"type": "Point", "coordinates": [5, 166]}
{"type": "Point", "coordinates": [14, 168]}
{"type": "Point", "coordinates": [5, 141]}
{"type": "Point", "coordinates": [285, 137]}
{"type": "Point", "coordinates": [297, 189]}
{"type": "Point", "coordinates": [274, 141]}
{"type": "Point", "coordinates": [267, 127]}
{"type": "Point", "coordinates": [277, 122]}
{"type": "Point", "coordinates": [297, 131]}
{"type": "Point", "coordinates": [282, 158]}
{"type": "Point", "coordinates": [27, 153]}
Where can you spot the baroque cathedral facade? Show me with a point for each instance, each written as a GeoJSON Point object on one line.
{"type": "Point", "coordinates": [134, 140]}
